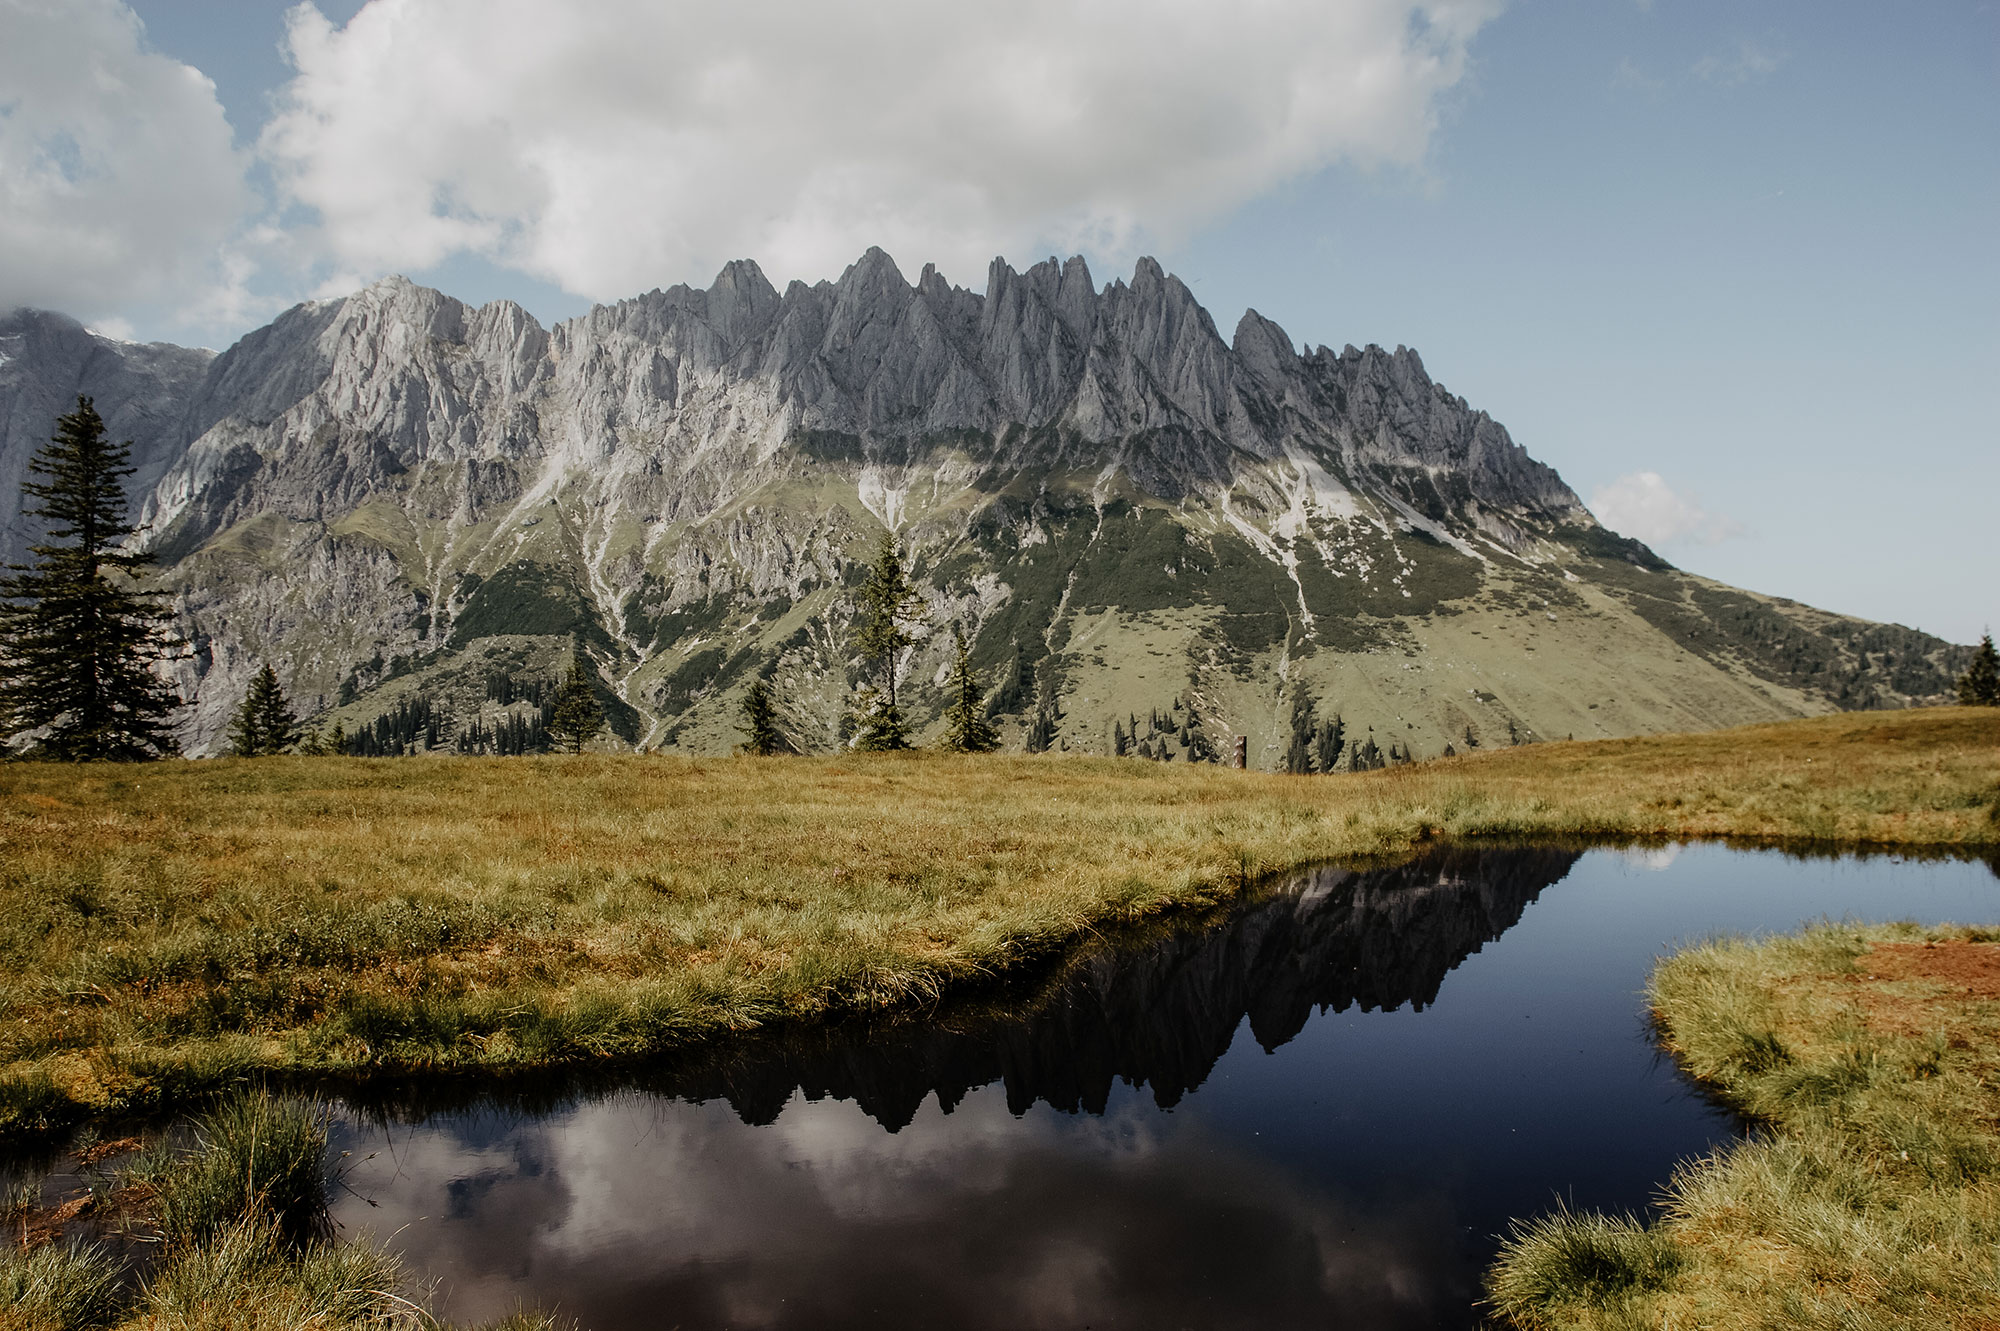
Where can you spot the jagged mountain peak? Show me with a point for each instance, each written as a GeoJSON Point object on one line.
{"type": "Point", "coordinates": [397, 498]}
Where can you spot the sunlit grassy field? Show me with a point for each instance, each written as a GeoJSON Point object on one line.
{"type": "Point", "coordinates": [168, 928]}
{"type": "Point", "coordinates": [1873, 1054]}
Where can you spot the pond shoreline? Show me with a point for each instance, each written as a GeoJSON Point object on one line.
{"type": "Point", "coordinates": [1871, 1056]}
{"type": "Point", "coordinates": [179, 928]}
{"type": "Point", "coordinates": [1355, 1010]}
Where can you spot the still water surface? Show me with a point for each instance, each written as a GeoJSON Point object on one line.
{"type": "Point", "coordinates": [1319, 1114]}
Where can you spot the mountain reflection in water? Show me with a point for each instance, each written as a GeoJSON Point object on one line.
{"type": "Point", "coordinates": [656, 1205]}
{"type": "Point", "coordinates": [1313, 1112]}
{"type": "Point", "coordinates": [1160, 1016]}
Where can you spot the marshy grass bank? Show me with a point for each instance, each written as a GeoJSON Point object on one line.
{"type": "Point", "coordinates": [169, 929]}
{"type": "Point", "coordinates": [1870, 1199]}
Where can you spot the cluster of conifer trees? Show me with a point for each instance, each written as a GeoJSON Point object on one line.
{"type": "Point", "coordinates": [1173, 733]}
{"type": "Point", "coordinates": [892, 618]}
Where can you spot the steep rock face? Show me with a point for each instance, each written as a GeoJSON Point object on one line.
{"type": "Point", "coordinates": [397, 499]}
{"type": "Point", "coordinates": [46, 361]}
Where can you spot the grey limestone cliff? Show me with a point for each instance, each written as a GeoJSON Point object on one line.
{"type": "Point", "coordinates": [399, 499]}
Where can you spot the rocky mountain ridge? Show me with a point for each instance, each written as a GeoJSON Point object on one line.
{"type": "Point", "coordinates": [399, 499]}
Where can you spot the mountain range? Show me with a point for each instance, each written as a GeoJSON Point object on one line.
{"type": "Point", "coordinates": [419, 511]}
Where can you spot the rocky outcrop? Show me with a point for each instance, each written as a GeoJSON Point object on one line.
{"type": "Point", "coordinates": [46, 361]}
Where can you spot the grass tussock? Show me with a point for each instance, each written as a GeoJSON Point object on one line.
{"type": "Point", "coordinates": [1557, 1262]}
{"type": "Point", "coordinates": [60, 1287]}
{"type": "Point", "coordinates": [239, 1217]}
{"type": "Point", "coordinates": [169, 929]}
{"type": "Point", "coordinates": [1871, 1198]}
{"type": "Point", "coordinates": [258, 1160]}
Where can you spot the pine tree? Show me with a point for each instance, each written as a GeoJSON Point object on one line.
{"type": "Point", "coordinates": [578, 716]}
{"type": "Point", "coordinates": [1979, 686]}
{"type": "Point", "coordinates": [264, 723]}
{"type": "Point", "coordinates": [890, 612]}
{"type": "Point", "coordinates": [1328, 741]}
{"type": "Point", "coordinates": [761, 735]}
{"type": "Point", "coordinates": [1048, 709]}
{"type": "Point", "coordinates": [77, 644]}
{"type": "Point", "coordinates": [1298, 754]}
{"type": "Point", "coordinates": [966, 728]}
{"type": "Point", "coordinates": [1119, 743]}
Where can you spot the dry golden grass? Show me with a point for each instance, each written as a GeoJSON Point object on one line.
{"type": "Point", "coordinates": [167, 928]}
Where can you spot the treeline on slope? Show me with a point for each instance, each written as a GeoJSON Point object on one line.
{"type": "Point", "coordinates": [538, 715]}
{"type": "Point", "coordinates": [1856, 666]}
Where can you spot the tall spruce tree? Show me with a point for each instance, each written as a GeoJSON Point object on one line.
{"type": "Point", "coordinates": [1979, 686]}
{"type": "Point", "coordinates": [77, 640]}
{"type": "Point", "coordinates": [264, 723]}
{"type": "Point", "coordinates": [891, 611]}
{"type": "Point", "coordinates": [761, 735]}
{"type": "Point", "coordinates": [966, 728]}
{"type": "Point", "coordinates": [578, 715]}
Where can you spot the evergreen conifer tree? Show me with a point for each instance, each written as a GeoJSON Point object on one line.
{"type": "Point", "coordinates": [264, 723]}
{"type": "Point", "coordinates": [77, 643]}
{"type": "Point", "coordinates": [1328, 741]}
{"type": "Point", "coordinates": [578, 715]}
{"type": "Point", "coordinates": [761, 735]}
{"type": "Point", "coordinates": [1048, 709]}
{"type": "Point", "coordinates": [890, 612]}
{"type": "Point", "coordinates": [1979, 686]}
{"type": "Point", "coordinates": [1298, 754]}
{"type": "Point", "coordinates": [966, 728]}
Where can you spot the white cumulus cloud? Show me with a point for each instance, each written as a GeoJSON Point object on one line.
{"type": "Point", "coordinates": [1644, 506]}
{"type": "Point", "coordinates": [119, 184]}
{"type": "Point", "coordinates": [612, 145]}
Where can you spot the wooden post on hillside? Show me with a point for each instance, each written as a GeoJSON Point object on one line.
{"type": "Point", "coordinates": [1242, 758]}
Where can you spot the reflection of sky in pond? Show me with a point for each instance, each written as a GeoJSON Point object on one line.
{"type": "Point", "coordinates": [1324, 1161]}
{"type": "Point", "coordinates": [633, 1212]}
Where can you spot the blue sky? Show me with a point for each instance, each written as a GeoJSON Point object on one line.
{"type": "Point", "coordinates": [1730, 268]}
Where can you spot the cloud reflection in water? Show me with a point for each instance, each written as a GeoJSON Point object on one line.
{"type": "Point", "coordinates": [763, 1189]}
{"type": "Point", "coordinates": [632, 1211]}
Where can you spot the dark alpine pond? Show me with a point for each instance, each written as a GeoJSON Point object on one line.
{"type": "Point", "coordinates": [1319, 1112]}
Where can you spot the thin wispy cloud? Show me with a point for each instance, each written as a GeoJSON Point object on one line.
{"type": "Point", "coordinates": [1630, 75]}
{"type": "Point", "coordinates": [1748, 61]}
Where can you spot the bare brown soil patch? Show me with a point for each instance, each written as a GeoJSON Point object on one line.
{"type": "Point", "coordinates": [1970, 969]}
